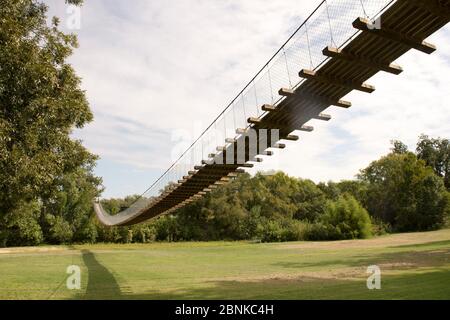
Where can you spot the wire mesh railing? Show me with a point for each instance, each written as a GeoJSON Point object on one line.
{"type": "Point", "coordinates": [329, 25]}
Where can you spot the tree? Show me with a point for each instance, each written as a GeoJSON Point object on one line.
{"type": "Point", "coordinates": [41, 102]}
{"type": "Point", "coordinates": [21, 226]}
{"type": "Point", "coordinates": [70, 204]}
{"type": "Point", "coordinates": [334, 190]}
{"type": "Point", "coordinates": [345, 218]}
{"type": "Point", "coordinates": [405, 193]}
{"type": "Point", "coordinates": [436, 154]}
{"type": "Point", "coordinates": [309, 200]}
{"type": "Point", "coordinates": [399, 147]}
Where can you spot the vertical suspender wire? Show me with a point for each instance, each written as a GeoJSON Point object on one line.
{"type": "Point", "coordinates": [203, 158]}
{"type": "Point", "coordinates": [364, 9]}
{"type": "Point", "coordinates": [309, 47]}
{"type": "Point", "coordinates": [224, 127]}
{"type": "Point", "coordinates": [287, 69]}
{"type": "Point", "coordinates": [245, 114]}
{"type": "Point", "coordinates": [329, 24]}
{"type": "Point", "coordinates": [256, 99]}
{"type": "Point", "coordinates": [270, 83]}
{"type": "Point", "coordinates": [234, 118]}
{"type": "Point", "coordinates": [216, 134]}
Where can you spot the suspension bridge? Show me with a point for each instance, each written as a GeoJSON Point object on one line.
{"type": "Point", "coordinates": [341, 45]}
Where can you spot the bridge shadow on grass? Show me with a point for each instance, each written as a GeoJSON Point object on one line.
{"type": "Point", "coordinates": [101, 282]}
{"type": "Point", "coordinates": [407, 281]}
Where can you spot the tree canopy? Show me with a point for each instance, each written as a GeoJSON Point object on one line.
{"type": "Point", "coordinates": [41, 102]}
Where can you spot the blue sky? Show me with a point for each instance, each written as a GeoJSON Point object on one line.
{"type": "Point", "coordinates": [155, 69]}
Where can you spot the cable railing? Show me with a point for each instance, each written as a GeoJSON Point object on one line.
{"type": "Point", "coordinates": [330, 24]}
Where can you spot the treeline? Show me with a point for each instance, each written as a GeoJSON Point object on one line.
{"type": "Point", "coordinates": [401, 192]}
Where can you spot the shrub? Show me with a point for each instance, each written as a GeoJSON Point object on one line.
{"type": "Point", "coordinates": [57, 229]}
{"type": "Point", "coordinates": [20, 227]}
{"type": "Point", "coordinates": [272, 231]}
{"type": "Point", "coordinates": [285, 230]}
{"type": "Point", "coordinates": [379, 227]}
{"type": "Point", "coordinates": [87, 233]}
{"type": "Point", "coordinates": [295, 231]}
{"type": "Point", "coordinates": [318, 232]}
{"type": "Point", "coordinates": [345, 218]}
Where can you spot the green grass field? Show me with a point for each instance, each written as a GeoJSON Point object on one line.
{"type": "Point", "coordinates": [414, 266]}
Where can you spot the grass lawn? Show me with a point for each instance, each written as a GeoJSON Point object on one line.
{"type": "Point", "coordinates": [414, 266]}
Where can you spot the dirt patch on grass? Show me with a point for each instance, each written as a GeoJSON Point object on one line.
{"type": "Point", "coordinates": [32, 250]}
{"type": "Point", "coordinates": [394, 240]}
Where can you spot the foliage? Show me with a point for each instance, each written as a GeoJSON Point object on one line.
{"type": "Point", "coordinates": [436, 154]}
{"type": "Point", "coordinates": [46, 180]}
{"type": "Point", "coordinates": [345, 218]}
{"type": "Point", "coordinates": [399, 147]}
{"type": "Point", "coordinates": [405, 193]}
{"type": "Point", "coordinates": [21, 227]}
{"type": "Point", "coordinates": [286, 230]}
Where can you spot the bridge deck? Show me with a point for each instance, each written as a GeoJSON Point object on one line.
{"type": "Point", "coordinates": [404, 26]}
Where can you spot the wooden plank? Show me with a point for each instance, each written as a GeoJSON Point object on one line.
{"type": "Point", "coordinates": [279, 146]}
{"type": "Point", "coordinates": [268, 108]}
{"type": "Point", "coordinates": [292, 137]}
{"type": "Point", "coordinates": [312, 75]}
{"type": "Point", "coordinates": [371, 63]}
{"type": "Point", "coordinates": [366, 25]}
{"type": "Point", "coordinates": [435, 7]}
{"type": "Point", "coordinates": [323, 117]}
{"type": "Point", "coordinates": [342, 104]}
{"type": "Point", "coordinates": [253, 120]}
{"type": "Point", "coordinates": [266, 153]}
{"type": "Point", "coordinates": [284, 92]}
{"type": "Point", "coordinates": [326, 100]}
{"type": "Point", "coordinates": [307, 128]}
{"type": "Point", "coordinates": [241, 131]}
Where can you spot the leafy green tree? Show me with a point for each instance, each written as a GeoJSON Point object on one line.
{"type": "Point", "coordinates": [308, 199]}
{"type": "Point", "coordinates": [436, 154]}
{"type": "Point", "coordinates": [21, 226]}
{"type": "Point", "coordinates": [405, 193]}
{"type": "Point", "coordinates": [40, 103]}
{"type": "Point", "coordinates": [399, 147]}
{"type": "Point", "coordinates": [345, 218]}
{"type": "Point", "coordinates": [59, 230]}
{"type": "Point", "coordinates": [71, 201]}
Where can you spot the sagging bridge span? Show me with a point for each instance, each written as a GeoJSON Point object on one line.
{"type": "Point", "coordinates": [336, 50]}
